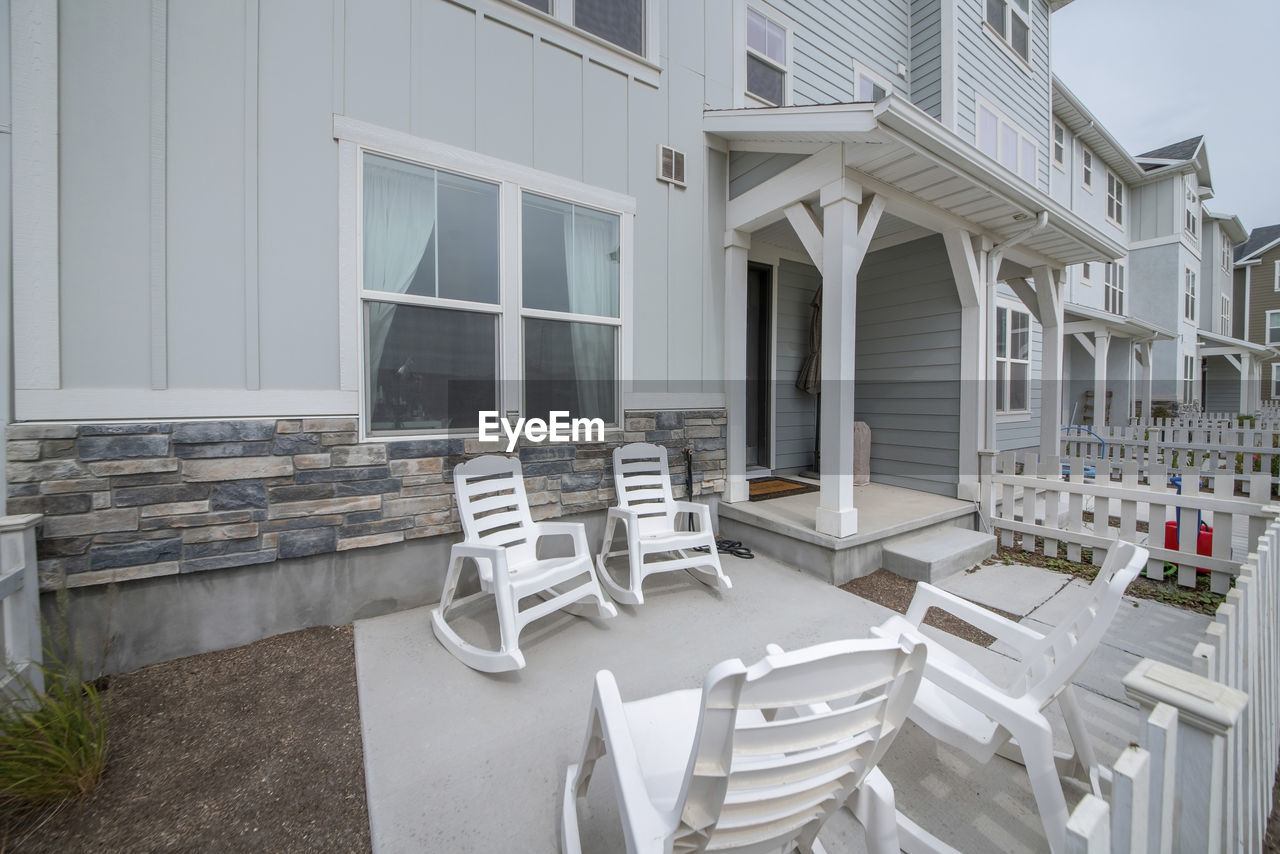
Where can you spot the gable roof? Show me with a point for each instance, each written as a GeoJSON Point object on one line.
{"type": "Point", "coordinates": [1259, 239]}
{"type": "Point", "coordinates": [1072, 112]}
{"type": "Point", "coordinates": [1184, 150]}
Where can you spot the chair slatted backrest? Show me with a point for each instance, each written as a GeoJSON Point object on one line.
{"type": "Point", "coordinates": [1065, 649]}
{"type": "Point", "coordinates": [643, 483]}
{"type": "Point", "coordinates": [755, 783]}
{"type": "Point", "coordinates": [494, 507]}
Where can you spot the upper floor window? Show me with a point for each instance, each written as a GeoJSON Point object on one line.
{"type": "Point", "coordinates": [1013, 359]}
{"type": "Point", "coordinates": [1059, 146]}
{"type": "Point", "coordinates": [1192, 214]}
{"type": "Point", "coordinates": [1113, 287]}
{"type": "Point", "coordinates": [1086, 273]}
{"type": "Point", "coordinates": [1275, 380]}
{"type": "Point", "coordinates": [1189, 295]}
{"type": "Point", "coordinates": [1086, 169]}
{"type": "Point", "coordinates": [1226, 251]}
{"type": "Point", "coordinates": [768, 71]}
{"type": "Point", "coordinates": [621, 22]}
{"type": "Point", "coordinates": [1115, 199]}
{"type": "Point", "coordinates": [1224, 315]}
{"type": "Point", "coordinates": [1277, 277]}
{"type": "Point", "coordinates": [1003, 141]}
{"type": "Point", "coordinates": [1188, 378]}
{"type": "Point", "coordinates": [869, 86]}
{"type": "Point", "coordinates": [1011, 20]}
{"type": "Point", "coordinates": [1273, 327]}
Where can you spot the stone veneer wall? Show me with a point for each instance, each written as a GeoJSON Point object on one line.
{"type": "Point", "coordinates": [132, 501]}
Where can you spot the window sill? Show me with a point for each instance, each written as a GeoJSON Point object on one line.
{"type": "Point", "coordinates": [1088, 189]}
{"type": "Point", "coordinates": [1116, 223]}
{"type": "Point", "coordinates": [1022, 63]}
{"type": "Point", "coordinates": [576, 39]}
{"type": "Point", "coordinates": [1013, 417]}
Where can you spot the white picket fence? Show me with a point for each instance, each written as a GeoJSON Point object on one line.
{"type": "Point", "coordinates": [1199, 777]}
{"type": "Point", "coordinates": [20, 606]}
{"type": "Point", "coordinates": [1029, 499]}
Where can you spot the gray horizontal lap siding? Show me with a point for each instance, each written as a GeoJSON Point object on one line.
{"type": "Point", "coordinates": [749, 169]}
{"type": "Point", "coordinates": [984, 68]}
{"type": "Point", "coordinates": [907, 366]}
{"type": "Point", "coordinates": [795, 410]}
{"type": "Point", "coordinates": [1222, 386]}
{"type": "Point", "coordinates": [832, 36]}
{"type": "Point", "coordinates": [926, 56]}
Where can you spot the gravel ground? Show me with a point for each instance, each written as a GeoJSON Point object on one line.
{"type": "Point", "coordinates": [249, 749]}
{"type": "Point", "coordinates": [895, 592]}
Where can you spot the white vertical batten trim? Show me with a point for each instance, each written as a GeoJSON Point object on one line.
{"type": "Point", "coordinates": [252, 332]}
{"type": "Point", "coordinates": [159, 194]}
{"type": "Point", "coordinates": [33, 45]}
{"type": "Point", "coordinates": [349, 322]}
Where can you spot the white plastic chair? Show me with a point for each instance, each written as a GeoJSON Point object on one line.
{"type": "Point", "coordinates": [502, 538]}
{"type": "Point", "coordinates": [759, 758]}
{"type": "Point", "coordinates": [649, 512]}
{"type": "Point", "coordinates": [960, 706]}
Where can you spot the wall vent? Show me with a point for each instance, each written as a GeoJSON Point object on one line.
{"type": "Point", "coordinates": [670, 165]}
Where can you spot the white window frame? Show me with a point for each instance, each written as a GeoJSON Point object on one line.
{"type": "Point", "coordinates": [1003, 124]}
{"type": "Point", "coordinates": [1008, 360]}
{"type": "Point", "coordinates": [1115, 199]}
{"type": "Point", "coordinates": [1086, 273]}
{"type": "Point", "coordinates": [561, 17]}
{"type": "Point", "coordinates": [743, 98]}
{"type": "Point", "coordinates": [1059, 146]}
{"type": "Point", "coordinates": [1005, 39]}
{"type": "Point", "coordinates": [1189, 378]}
{"type": "Point", "coordinates": [1087, 167]}
{"type": "Point", "coordinates": [1266, 329]}
{"type": "Point", "coordinates": [1275, 380]}
{"type": "Point", "coordinates": [1190, 295]}
{"type": "Point", "coordinates": [1191, 215]}
{"type": "Point", "coordinates": [862, 73]}
{"type": "Point", "coordinates": [1277, 277]}
{"type": "Point", "coordinates": [355, 138]}
{"type": "Point", "coordinates": [1113, 287]}
{"type": "Point", "coordinates": [1224, 314]}
{"type": "Point", "coordinates": [1226, 250]}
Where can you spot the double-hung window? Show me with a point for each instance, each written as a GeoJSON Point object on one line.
{"type": "Point", "coordinates": [1013, 360]}
{"type": "Point", "coordinates": [1189, 294]}
{"type": "Point", "coordinates": [1115, 199]}
{"type": "Point", "coordinates": [1086, 273]}
{"type": "Point", "coordinates": [1275, 380]}
{"type": "Point", "coordinates": [484, 286]}
{"type": "Point", "coordinates": [1192, 215]}
{"type": "Point", "coordinates": [1224, 315]}
{"type": "Point", "coordinates": [1011, 20]}
{"type": "Point", "coordinates": [623, 23]}
{"type": "Point", "coordinates": [1273, 327]}
{"type": "Point", "coordinates": [1059, 146]}
{"type": "Point", "coordinates": [1086, 169]}
{"type": "Point", "coordinates": [1188, 378]}
{"type": "Point", "coordinates": [869, 86]}
{"type": "Point", "coordinates": [1006, 143]}
{"type": "Point", "coordinates": [1113, 287]}
{"type": "Point", "coordinates": [768, 69]}
{"type": "Point", "coordinates": [1226, 251]}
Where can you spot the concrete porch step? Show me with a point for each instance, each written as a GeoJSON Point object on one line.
{"type": "Point", "coordinates": [933, 555]}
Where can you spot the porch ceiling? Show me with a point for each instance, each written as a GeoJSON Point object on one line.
{"type": "Point", "coordinates": [926, 173]}
{"type": "Point", "coordinates": [891, 231]}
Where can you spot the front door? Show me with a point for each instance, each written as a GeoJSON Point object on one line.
{"type": "Point", "coordinates": [759, 364]}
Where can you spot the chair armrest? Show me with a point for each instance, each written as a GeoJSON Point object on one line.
{"type": "Point", "coordinates": [480, 551]}
{"type": "Point", "coordinates": [576, 530]}
{"type": "Point", "coordinates": [927, 596]}
{"type": "Point", "coordinates": [608, 713]}
{"type": "Point", "coordinates": [702, 511]}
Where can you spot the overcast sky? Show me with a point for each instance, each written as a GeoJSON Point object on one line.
{"type": "Point", "coordinates": [1160, 71]}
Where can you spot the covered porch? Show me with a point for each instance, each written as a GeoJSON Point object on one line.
{"type": "Point", "coordinates": [1231, 373]}
{"type": "Point", "coordinates": [907, 230]}
{"type": "Point", "coordinates": [1108, 363]}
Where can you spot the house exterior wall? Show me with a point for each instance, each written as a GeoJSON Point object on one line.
{"type": "Point", "coordinates": [832, 38]}
{"type": "Point", "coordinates": [926, 56]}
{"type": "Point", "coordinates": [796, 412]}
{"type": "Point", "coordinates": [1221, 385]}
{"type": "Point", "coordinates": [1155, 295]}
{"type": "Point", "coordinates": [1263, 297]}
{"type": "Point", "coordinates": [1216, 280]}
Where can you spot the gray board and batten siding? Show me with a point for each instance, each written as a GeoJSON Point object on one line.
{"type": "Point", "coordinates": [926, 56]}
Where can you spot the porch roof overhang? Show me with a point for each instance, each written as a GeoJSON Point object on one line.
{"type": "Point", "coordinates": [926, 173]}
{"type": "Point", "coordinates": [1213, 344]}
{"type": "Point", "coordinates": [1082, 316]}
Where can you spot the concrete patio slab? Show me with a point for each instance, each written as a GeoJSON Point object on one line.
{"type": "Point", "coordinates": [1014, 588]}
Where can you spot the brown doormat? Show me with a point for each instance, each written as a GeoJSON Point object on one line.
{"type": "Point", "coordinates": [764, 488]}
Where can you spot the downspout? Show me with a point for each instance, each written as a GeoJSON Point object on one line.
{"type": "Point", "coordinates": [994, 259]}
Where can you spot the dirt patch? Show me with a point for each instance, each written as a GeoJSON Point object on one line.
{"type": "Point", "coordinates": [895, 592]}
{"type": "Point", "coordinates": [256, 748]}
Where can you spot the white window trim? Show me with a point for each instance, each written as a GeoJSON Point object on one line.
{"type": "Point", "coordinates": [1275, 380]}
{"type": "Point", "coordinates": [1004, 415]}
{"type": "Point", "coordinates": [355, 137]}
{"type": "Point", "coordinates": [1226, 250]}
{"type": "Point", "coordinates": [1115, 283]}
{"type": "Point", "coordinates": [1006, 41]}
{"type": "Point", "coordinates": [1192, 221]}
{"type": "Point", "coordinates": [1190, 377]}
{"type": "Point", "coordinates": [1266, 328]}
{"type": "Point", "coordinates": [1059, 164]}
{"type": "Point", "coordinates": [1190, 292]}
{"type": "Point", "coordinates": [1086, 273]}
{"type": "Point", "coordinates": [1089, 170]}
{"type": "Point", "coordinates": [1001, 121]}
{"type": "Point", "coordinates": [1224, 314]}
{"type": "Point", "coordinates": [864, 70]}
{"type": "Point", "coordinates": [1113, 180]}
{"type": "Point", "coordinates": [741, 97]}
{"type": "Point", "coordinates": [645, 67]}
{"type": "Point", "coordinates": [1277, 285]}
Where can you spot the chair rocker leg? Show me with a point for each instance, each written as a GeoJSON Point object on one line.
{"type": "Point", "coordinates": [592, 604]}
{"type": "Point", "coordinates": [576, 780]}
{"type": "Point", "coordinates": [1083, 762]}
{"type": "Point", "coordinates": [709, 574]}
{"type": "Point", "coordinates": [631, 594]}
{"type": "Point", "coordinates": [475, 657]}
{"type": "Point", "coordinates": [1037, 747]}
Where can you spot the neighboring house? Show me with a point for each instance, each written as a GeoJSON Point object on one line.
{"type": "Point", "coordinates": [1257, 288]}
{"type": "Point", "coordinates": [271, 259]}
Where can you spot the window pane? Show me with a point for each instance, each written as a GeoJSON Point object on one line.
{"type": "Point", "coordinates": [1002, 333]}
{"type": "Point", "coordinates": [1001, 387]}
{"type": "Point", "coordinates": [988, 133]}
{"type": "Point", "coordinates": [398, 242]}
{"type": "Point", "coordinates": [571, 367]}
{"type": "Point", "coordinates": [569, 257]}
{"type": "Point", "coordinates": [1008, 147]}
{"type": "Point", "coordinates": [1020, 336]}
{"type": "Point", "coordinates": [617, 21]}
{"type": "Point", "coordinates": [1017, 386]}
{"type": "Point", "coordinates": [756, 37]}
{"type": "Point", "coordinates": [776, 43]}
{"type": "Point", "coordinates": [995, 15]}
{"type": "Point", "coordinates": [1027, 166]}
{"type": "Point", "coordinates": [765, 81]}
{"type": "Point", "coordinates": [1024, 5]}
{"type": "Point", "coordinates": [1021, 38]}
{"type": "Point", "coordinates": [468, 239]}
{"type": "Point", "coordinates": [428, 368]}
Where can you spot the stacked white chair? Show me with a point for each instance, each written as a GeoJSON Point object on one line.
{"type": "Point", "coordinates": [648, 512]}
{"type": "Point", "coordinates": [501, 537]}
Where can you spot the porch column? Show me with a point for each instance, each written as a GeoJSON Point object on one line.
{"type": "Point", "coordinates": [1049, 300]}
{"type": "Point", "coordinates": [736, 244]}
{"type": "Point", "coordinates": [1150, 380]}
{"type": "Point", "coordinates": [968, 272]}
{"type": "Point", "coordinates": [848, 225]}
{"type": "Point", "coordinates": [1246, 374]}
{"type": "Point", "coordinates": [1101, 346]}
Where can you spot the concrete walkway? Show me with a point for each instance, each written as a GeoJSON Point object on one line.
{"type": "Point", "coordinates": [462, 761]}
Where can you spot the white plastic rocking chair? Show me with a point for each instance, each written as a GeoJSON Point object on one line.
{"type": "Point", "coordinates": [502, 538]}
{"type": "Point", "coordinates": [759, 758]}
{"type": "Point", "coordinates": [958, 705]}
{"type": "Point", "coordinates": [649, 512]}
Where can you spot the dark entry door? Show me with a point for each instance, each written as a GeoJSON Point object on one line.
{"type": "Point", "coordinates": [759, 362]}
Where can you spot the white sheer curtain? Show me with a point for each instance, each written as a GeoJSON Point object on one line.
{"type": "Point", "coordinates": [591, 255]}
{"type": "Point", "coordinates": [399, 217]}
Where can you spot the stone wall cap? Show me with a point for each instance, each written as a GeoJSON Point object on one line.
{"type": "Point", "coordinates": [1208, 704]}
{"type": "Point", "coordinates": [9, 524]}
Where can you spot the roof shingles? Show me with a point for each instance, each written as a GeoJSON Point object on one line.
{"type": "Point", "coordinates": [1184, 150]}
{"type": "Point", "coordinates": [1258, 239]}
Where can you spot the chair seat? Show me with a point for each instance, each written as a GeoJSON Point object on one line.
{"type": "Point", "coordinates": [539, 573]}
{"type": "Point", "coordinates": [675, 539]}
{"type": "Point", "coordinates": [663, 730]}
{"type": "Point", "coordinates": [939, 712]}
